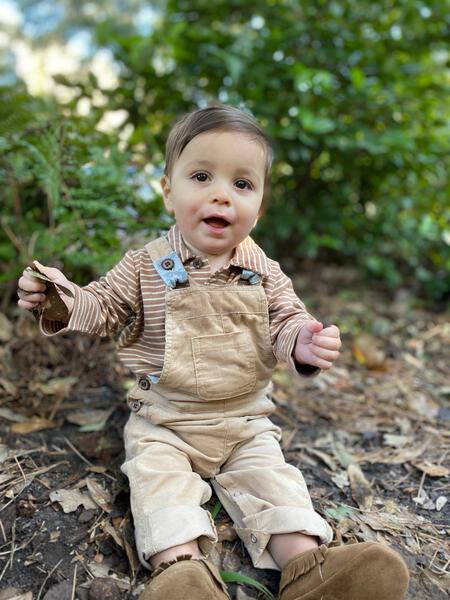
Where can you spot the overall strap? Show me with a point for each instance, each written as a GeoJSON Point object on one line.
{"type": "Point", "coordinates": [167, 262]}
{"type": "Point", "coordinates": [252, 277]}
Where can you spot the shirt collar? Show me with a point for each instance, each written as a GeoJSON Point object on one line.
{"type": "Point", "coordinates": [247, 255]}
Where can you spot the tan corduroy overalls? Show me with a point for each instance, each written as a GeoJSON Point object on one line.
{"type": "Point", "coordinates": [206, 418]}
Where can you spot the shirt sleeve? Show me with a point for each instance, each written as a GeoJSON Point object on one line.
{"type": "Point", "coordinates": [287, 315]}
{"type": "Point", "coordinates": [103, 307]}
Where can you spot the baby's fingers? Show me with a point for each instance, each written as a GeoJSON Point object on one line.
{"type": "Point", "coordinates": [330, 331]}
{"type": "Point", "coordinates": [329, 343]}
{"type": "Point", "coordinates": [324, 353]}
{"type": "Point", "coordinates": [28, 283]}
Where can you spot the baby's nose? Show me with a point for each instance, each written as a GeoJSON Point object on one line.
{"type": "Point", "coordinates": [221, 196]}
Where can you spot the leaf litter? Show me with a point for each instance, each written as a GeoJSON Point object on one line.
{"type": "Point", "coordinates": [371, 437]}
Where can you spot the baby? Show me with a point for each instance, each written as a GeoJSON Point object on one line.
{"type": "Point", "coordinates": [204, 315]}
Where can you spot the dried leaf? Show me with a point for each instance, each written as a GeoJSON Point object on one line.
{"type": "Point", "coordinates": [6, 328]}
{"type": "Point", "coordinates": [326, 458]}
{"type": "Point", "coordinates": [423, 405]}
{"type": "Point", "coordinates": [9, 387]}
{"type": "Point", "coordinates": [10, 415]}
{"type": "Point", "coordinates": [432, 470]}
{"type": "Point", "coordinates": [99, 495]}
{"type": "Point", "coordinates": [32, 425]}
{"type": "Point", "coordinates": [344, 457]}
{"type": "Point", "coordinates": [441, 502]}
{"type": "Point", "coordinates": [367, 351]}
{"type": "Point", "coordinates": [58, 386]}
{"type": "Point", "coordinates": [70, 500]}
{"type": "Point", "coordinates": [392, 523]}
{"type": "Point", "coordinates": [54, 307]}
{"type": "Point", "coordinates": [90, 420]}
{"type": "Point", "coordinates": [397, 441]}
{"type": "Point", "coordinates": [35, 272]}
{"type": "Point", "coordinates": [361, 490]}
{"type": "Point", "coordinates": [4, 453]}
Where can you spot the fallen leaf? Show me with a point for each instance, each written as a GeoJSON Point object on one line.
{"type": "Point", "coordinates": [344, 457]}
{"type": "Point", "coordinates": [59, 386]}
{"type": "Point", "coordinates": [6, 328]}
{"type": "Point", "coordinates": [361, 490]}
{"type": "Point", "coordinates": [4, 453]}
{"type": "Point", "coordinates": [109, 528]}
{"type": "Point", "coordinates": [423, 405]}
{"type": "Point", "coordinates": [9, 387]}
{"type": "Point", "coordinates": [90, 420]}
{"type": "Point", "coordinates": [397, 441]}
{"type": "Point", "coordinates": [392, 523]}
{"type": "Point", "coordinates": [99, 495]}
{"type": "Point", "coordinates": [70, 500]}
{"type": "Point", "coordinates": [366, 350]}
{"type": "Point", "coordinates": [441, 502]}
{"type": "Point", "coordinates": [341, 480]}
{"type": "Point", "coordinates": [326, 458]}
{"type": "Point", "coordinates": [429, 469]}
{"type": "Point", "coordinates": [32, 425]}
{"type": "Point", "coordinates": [10, 415]}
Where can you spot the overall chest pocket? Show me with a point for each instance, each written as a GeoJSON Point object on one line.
{"type": "Point", "coordinates": [224, 365]}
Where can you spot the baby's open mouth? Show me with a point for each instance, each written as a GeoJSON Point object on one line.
{"type": "Point", "coordinates": [216, 222]}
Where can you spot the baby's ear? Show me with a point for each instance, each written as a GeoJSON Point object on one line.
{"type": "Point", "coordinates": [165, 186]}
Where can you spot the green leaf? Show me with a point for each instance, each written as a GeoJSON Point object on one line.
{"type": "Point", "coordinates": [216, 510]}
{"type": "Point", "coordinates": [233, 577]}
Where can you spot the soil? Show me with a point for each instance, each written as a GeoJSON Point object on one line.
{"type": "Point", "coordinates": [371, 437]}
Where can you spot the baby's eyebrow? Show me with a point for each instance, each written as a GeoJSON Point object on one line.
{"type": "Point", "coordinates": [200, 163]}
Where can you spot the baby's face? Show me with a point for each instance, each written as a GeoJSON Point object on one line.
{"type": "Point", "coordinates": [215, 191]}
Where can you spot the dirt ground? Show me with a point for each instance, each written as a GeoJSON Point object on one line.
{"type": "Point", "coordinates": [371, 437]}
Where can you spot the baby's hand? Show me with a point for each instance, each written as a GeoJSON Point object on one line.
{"type": "Point", "coordinates": [317, 345]}
{"type": "Point", "coordinates": [34, 293]}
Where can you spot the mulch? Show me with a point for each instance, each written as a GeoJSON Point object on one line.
{"type": "Point", "coordinates": [371, 437]}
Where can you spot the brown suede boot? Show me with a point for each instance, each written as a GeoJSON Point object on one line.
{"type": "Point", "coordinates": [185, 579]}
{"type": "Point", "coordinates": [366, 571]}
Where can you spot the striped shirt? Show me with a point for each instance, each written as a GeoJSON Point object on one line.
{"type": "Point", "coordinates": [129, 301]}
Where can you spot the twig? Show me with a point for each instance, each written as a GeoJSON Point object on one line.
{"type": "Point", "coordinates": [422, 479]}
{"type": "Point", "coordinates": [47, 578]}
{"type": "Point", "coordinates": [5, 569]}
{"type": "Point", "coordinates": [74, 582]}
{"type": "Point", "coordinates": [3, 531]}
{"type": "Point", "coordinates": [78, 453]}
{"type": "Point", "coordinates": [33, 474]}
{"type": "Point", "coordinates": [20, 469]}
{"type": "Point", "coordinates": [13, 543]}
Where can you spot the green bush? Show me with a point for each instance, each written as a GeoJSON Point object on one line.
{"type": "Point", "coordinates": [354, 95]}
{"type": "Point", "coordinates": [72, 198]}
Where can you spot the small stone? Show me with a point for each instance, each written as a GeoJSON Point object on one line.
{"type": "Point", "coordinates": [104, 588]}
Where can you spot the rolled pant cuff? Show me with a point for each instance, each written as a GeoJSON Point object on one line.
{"type": "Point", "coordinates": [258, 529]}
{"type": "Point", "coordinates": [167, 527]}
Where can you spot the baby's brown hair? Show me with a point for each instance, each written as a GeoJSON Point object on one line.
{"type": "Point", "coordinates": [218, 117]}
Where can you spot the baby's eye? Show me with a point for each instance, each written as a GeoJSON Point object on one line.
{"type": "Point", "coordinates": [200, 176]}
{"type": "Point", "coordinates": [243, 184]}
